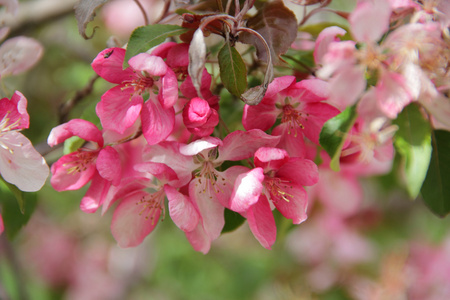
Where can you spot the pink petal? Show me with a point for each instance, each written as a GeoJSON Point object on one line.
{"type": "Point", "coordinates": [178, 56]}
{"type": "Point", "coordinates": [347, 86]}
{"type": "Point", "coordinates": [169, 89]}
{"type": "Point", "coordinates": [261, 222]}
{"type": "Point", "coordinates": [20, 163]}
{"type": "Point", "coordinates": [299, 171]}
{"type": "Point", "coordinates": [370, 20]}
{"type": "Point", "coordinates": [157, 122]}
{"type": "Point", "coordinates": [96, 194]}
{"type": "Point", "coordinates": [199, 145]}
{"type": "Point", "coordinates": [181, 210]}
{"type": "Point", "coordinates": [133, 219]}
{"type": "Point", "coordinates": [75, 127]}
{"type": "Point", "coordinates": [326, 36]}
{"type": "Point", "coordinates": [199, 240]}
{"type": "Point", "coordinates": [188, 90]}
{"type": "Point", "coordinates": [310, 90]}
{"type": "Point", "coordinates": [119, 108]}
{"type": "Point", "coordinates": [295, 209]}
{"type": "Point", "coordinates": [291, 141]}
{"type": "Point", "coordinates": [153, 65]}
{"type": "Point", "coordinates": [19, 54]}
{"type": "Point", "coordinates": [209, 207]}
{"type": "Point", "coordinates": [247, 190]}
{"type": "Point", "coordinates": [240, 145]}
{"type": "Point", "coordinates": [160, 170]}
{"type": "Point", "coordinates": [391, 94]}
{"type": "Point", "coordinates": [109, 165]}
{"type": "Point", "coordinates": [316, 116]}
{"type": "Point", "coordinates": [108, 65]}
{"type": "Point", "coordinates": [262, 116]}
{"type": "Point", "coordinates": [270, 158]}
{"type": "Point", "coordinates": [163, 49]}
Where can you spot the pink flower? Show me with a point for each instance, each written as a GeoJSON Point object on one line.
{"type": "Point", "coordinates": [74, 170]}
{"type": "Point", "coordinates": [19, 54]}
{"type": "Point", "coordinates": [199, 117]}
{"type": "Point", "coordinates": [300, 107]}
{"type": "Point", "coordinates": [20, 163]}
{"type": "Point", "coordinates": [122, 105]}
{"type": "Point", "coordinates": [276, 178]}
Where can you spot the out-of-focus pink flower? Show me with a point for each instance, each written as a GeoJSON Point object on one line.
{"type": "Point", "coordinates": [121, 17]}
{"type": "Point", "coordinates": [19, 54]}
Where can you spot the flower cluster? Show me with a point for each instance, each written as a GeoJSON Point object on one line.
{"type": "Point", "coordinates": [162, 135]}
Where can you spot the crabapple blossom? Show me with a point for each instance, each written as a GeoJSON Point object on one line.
{"type": "Point", "coordinates": [299, 105]}
{"type": "Point", "coordinates": [279, 179]}
{"type": "Point", "coordinates": [20, 163]}
{"type": "Point", "coordinates": [122, 105]}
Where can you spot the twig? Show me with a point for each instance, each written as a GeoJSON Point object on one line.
{"type": "Point", "coordinates": [143, 11]}
{"type": "Point", "coordinates": [65, 108]}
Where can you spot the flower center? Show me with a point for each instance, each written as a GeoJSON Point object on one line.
{"type": "Point", "coordinates": [152, 206]}
{"type": "Point", "coordinates": [293, 118]}
{"type": "Point", "coordinates": [84, 159]}
{"type": "Point", "coordinates": [277, 189]}
{"type": "Point", "coordinates": [139, 83]}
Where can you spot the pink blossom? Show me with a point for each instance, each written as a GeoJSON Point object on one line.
{"type": "Point", "coordinates": [199, 117]}
{"type": "Point", "coordinates": [19, 54]}
{"type": "Point", "coordinates": [300, 107]}
{"type": "Point", "coordinates": [122, 105]}
{"type": "Point", "coordinates": [20, 163]}
{"type": "Point", "coordinates": [74, 170]}
{"type": "Point", "coordinates": [276, 178]}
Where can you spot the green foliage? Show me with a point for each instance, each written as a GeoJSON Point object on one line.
{"type": "Point", "coordinates": [18, 194]}
{"type": "Point", "coordinates": [145, 37]}
{"type": "Point", "coordinates": [315, 29]}
{"type": "Point", "coordinates": [334, 132]}
{"type": "Point", "coordinates": [233, 71]}
{"type": "Point", "coordinates": [15, 216]}
{"type": "Point", "coordinates": [413, 143]}
{"type": "Point", "coordinates": [232, 220]}
{"type": "Point", "coordinates": [436, 188]}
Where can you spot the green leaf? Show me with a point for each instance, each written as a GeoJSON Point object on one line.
{"type": "Point", "coordinates": [18, 194]}
{"type": "Point", "coordinates": [278, 26]}
{"type": "Point", "coordinates": [145, 37]}
{"type": "Point", "coordinates": [232, 220]}
{"type": "Point", "coordinates": [72, 144]}
{"type": "Point", "coordinates": [316, 29]}
{"type": "Point", "coordinates": [13, 218]}
{"type": "Point", "coordinates": [233, 71]}
{"type": "Point", "coordinates": [436, 188]}
{"type": "Point", "coordinates": [334, 132]}
{"type": "Point", "coordinates": [413, 143]}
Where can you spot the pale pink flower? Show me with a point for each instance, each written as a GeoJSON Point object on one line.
{"type": "Point", "coordinates": [20, 163]}
{"type": "Point", "coordinates": [19, 54]}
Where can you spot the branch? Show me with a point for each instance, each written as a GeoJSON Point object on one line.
{"type": "Point", "coordinates": [65, 108]}
{"type": "Point", "coordinates": [34, 13]}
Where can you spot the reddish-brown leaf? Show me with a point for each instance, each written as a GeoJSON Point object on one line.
{"type": "Point", "coordinates": [277, 24]}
